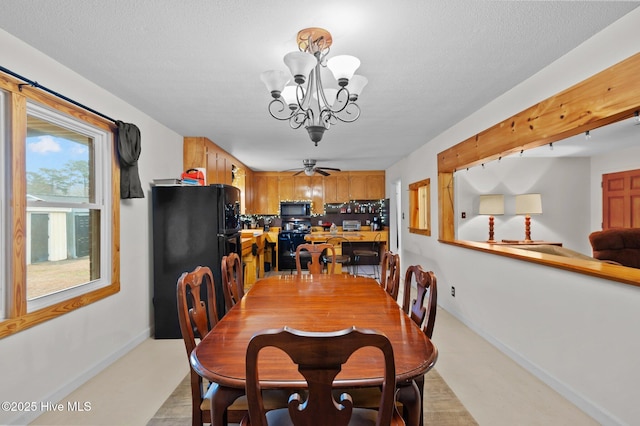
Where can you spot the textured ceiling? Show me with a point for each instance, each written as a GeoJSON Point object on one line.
{"type": "Point", "coordinates": [195, 65]}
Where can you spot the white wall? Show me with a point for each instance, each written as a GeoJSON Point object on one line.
{"type": "Point", "coordinates": [49, 360]}
{"type": "Point", "coordinates": [577, 333]}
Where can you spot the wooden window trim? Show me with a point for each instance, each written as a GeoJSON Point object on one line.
{"type": "Point", "coordinates": [607, 97]}
{"type": "Point", "coordinates": [18, 318]}
{"type": "Point", "coordinates": [414, 207]}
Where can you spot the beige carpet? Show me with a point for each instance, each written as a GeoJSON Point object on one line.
{"type": "Point", "coordinates": [441, 406]}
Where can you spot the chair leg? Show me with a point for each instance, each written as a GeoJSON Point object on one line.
{"type": "Point", "coordinates": [411, 398]}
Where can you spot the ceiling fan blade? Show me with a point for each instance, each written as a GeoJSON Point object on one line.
{"type": "Point", "coordinates": [329, 168]}
{"type": "Point", "coordinates": [322, 172]}
{"type": "Point", "coordinates": [296, 174]}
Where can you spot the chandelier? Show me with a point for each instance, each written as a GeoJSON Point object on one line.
{"type": "Point", "coordinates": [307, 102]}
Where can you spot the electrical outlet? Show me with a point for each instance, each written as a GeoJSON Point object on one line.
{"type": "Point", "coordinates": [453, 291]}
{"type": "Point", "coordinates": [464, 215]}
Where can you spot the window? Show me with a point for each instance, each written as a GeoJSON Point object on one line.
{"type": "Point", "coordinates": [65, 198]}
{"type": "Point", "coordinates": [419, 207]}
{"type": "Point", "coordinates": [59, 234]}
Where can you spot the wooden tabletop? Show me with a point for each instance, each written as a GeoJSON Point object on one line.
{"type": "Point", "coordinates": [312, 303]}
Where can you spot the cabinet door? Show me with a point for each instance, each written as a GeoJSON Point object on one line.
{"type": "Point", "coordinates": [302, 187]}
{"type": "Point", "coordinates": [342, 188]}
{"type": "Point", "coordinates": [330, 189]}
{"type": "Point", "coordinates": [285, 188]}
{"type": "Point", "coordinates": [317, 194]}
{"type": "Point", "coordinates": [273, 201]}
{"type": "Point", "coordinates": [260, 200]}
{"type": "Point", "coordinates": [358, 187]}
{"type": "Point", "coordinates": [375, 187]}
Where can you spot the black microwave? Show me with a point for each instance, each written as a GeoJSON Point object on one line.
{"type": "Point", "coordinates": [295, 209]}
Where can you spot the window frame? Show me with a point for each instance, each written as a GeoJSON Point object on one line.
{"type": "Point", "coordinates": [101, 203]}
{"type": "Point", "coordinates": [415, 207]}
{"type": "Point", "coordinates": [17, 316]}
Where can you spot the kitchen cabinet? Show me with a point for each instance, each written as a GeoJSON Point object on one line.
{"type": "Point", "coordinates": [302, 187]}
{"type": "Point", "coordinates": [285, 188]}
{"type": "Point", "coordinates": [358, 187]}
{"type": "Point", "coordinates": [269, 188]}
{"type": "Point", "coordinates": [219, 166]}
{"type": "Point", "coordinates": [336, 188]}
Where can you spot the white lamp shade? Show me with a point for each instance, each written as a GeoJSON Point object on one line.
{"type": "Point", "coordinates": [275, 80]}
{"type": "Point", "coordinates": [356, 84]}
{"type": "Point", "coordinates": [289, 95]}
{"type": "Point", "coordinates": [343, 66]}
{"type": "Point", "coordinates": [300, 64]}
{"type": "Point", "coordinates": [529, 204]}
{"type": "Point", "coordinates": [491, 204]}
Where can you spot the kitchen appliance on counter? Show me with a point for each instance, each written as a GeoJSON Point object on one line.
{"type": "Point", "coordinates": [350, 225]}
{"type": "Point", "coordinates": [192, 226]}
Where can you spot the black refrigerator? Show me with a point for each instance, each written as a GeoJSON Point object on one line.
{"type": "Point", "coordinates": [192, 226]}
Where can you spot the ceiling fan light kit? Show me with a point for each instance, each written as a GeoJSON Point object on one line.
{"type": "Point", "coordinates": [310, 168]}
{"type": "Point", "coordinates": [308, 103]}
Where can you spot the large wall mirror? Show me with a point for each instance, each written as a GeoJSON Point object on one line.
{"type": "Point", "coordinates": [559, 149]}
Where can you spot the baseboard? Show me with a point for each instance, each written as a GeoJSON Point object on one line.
{"type": "Point", "coordinates": [599, 414]}
{"type": "Point", "coordinates": [83, 377]}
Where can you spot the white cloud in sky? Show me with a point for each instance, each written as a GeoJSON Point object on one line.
{"type": "Point", "coordinates": [78, 149]}
{"type": "Point", "coordinates": [44, 144]}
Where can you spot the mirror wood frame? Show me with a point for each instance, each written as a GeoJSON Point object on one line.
{"type": "Point", "coordinates": [609, 96]}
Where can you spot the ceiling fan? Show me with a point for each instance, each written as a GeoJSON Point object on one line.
{"type": "Point", "coordinates": [310, 168]}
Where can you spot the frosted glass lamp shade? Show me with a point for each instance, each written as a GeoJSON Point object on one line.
{"type": "Point", "coordinates": [300, 64]}
{"type": "Point", "coordinates": [491, 204]}
{"type": "Point", "coordinates": [343, 67]}
{"type": "Point", "coordinates": [289, 95]}
{"type": "Point", "coordinates": [275, 81]}
{"type": "Point", "coordinates": [355, 86]}
{"type": "Point", "coordinates": [529, 204]}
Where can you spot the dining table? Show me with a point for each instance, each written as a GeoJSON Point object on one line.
{"type": "Point", "coordinates": [309, 302]}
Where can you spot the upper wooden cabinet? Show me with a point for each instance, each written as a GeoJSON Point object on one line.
{"type": "Point", "coordinates": [261, 192]}
{"type": "Point", "coordinates": [220, 167]}
{"type": "Point", "coordinates": [339, 187]}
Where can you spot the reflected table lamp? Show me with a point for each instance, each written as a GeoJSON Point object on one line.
{"type": "Point", "coordinates": [528, 204]}
{"type": "Point", "coordinates": [491, 204]}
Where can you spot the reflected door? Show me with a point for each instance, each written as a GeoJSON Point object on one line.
{"type": "Point", "coordinates": [621, 200]}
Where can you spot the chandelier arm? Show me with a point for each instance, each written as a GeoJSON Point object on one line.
{"type": "Point", "coordinates": [344, 105]}
{"type": "Point", "coordinates": [350, 113]}
{"type": "Point", "coordinates": [298, 119]}
{"type": "Point", "coordinates": [279, 113]}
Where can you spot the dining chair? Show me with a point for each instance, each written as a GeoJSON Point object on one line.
{"type": "Point", "coordinates": [426, 283]}
{"type": "Point", "coordinates": [390, 273]}
{"type": "Point", "coordinates": [372, 252]}
{"type": "Point", "coordinates": [315, 251]}
{"type": "Point", "coordinates": [197, 317]}
{"type": "Point", "coordinates": [232, 279]}
{"type": "Point", "coordinates": [320, 357]}
{"type": "Point", "coordinates": [422, 315]}
{"type": "Point", "coordinates": [344, 258]}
